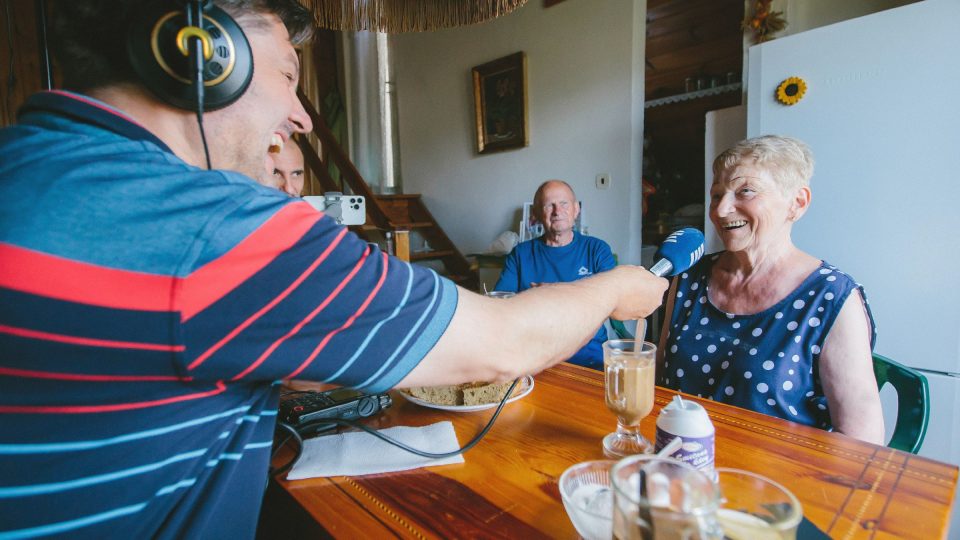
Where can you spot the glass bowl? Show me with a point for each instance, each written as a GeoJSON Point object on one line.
{"type": "Point", "coordinates": [588, 498]}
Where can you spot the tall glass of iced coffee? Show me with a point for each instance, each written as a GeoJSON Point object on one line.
{"type": "Point", "coordinates": [628, 368]}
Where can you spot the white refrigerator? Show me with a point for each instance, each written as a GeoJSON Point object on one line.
{"type": "Point", "coordinates": [882, 114]}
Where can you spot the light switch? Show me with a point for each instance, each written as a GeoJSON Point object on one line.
{"type": "Point", "coordinates": [603, 181]}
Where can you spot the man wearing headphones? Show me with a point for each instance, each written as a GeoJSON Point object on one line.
{"type": "Point", "coordinates": [152, 295]}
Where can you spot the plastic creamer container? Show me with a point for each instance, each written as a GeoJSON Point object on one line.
{"type": "Point", "coordinates": [689, 421]}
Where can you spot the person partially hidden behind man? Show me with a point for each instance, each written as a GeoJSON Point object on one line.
{"type": "Point", "coordinates": [150, 304]}
{"type": "Point", "coordinates": [562, 254]}
{"type": "Point", "coordinates": [285, 169]}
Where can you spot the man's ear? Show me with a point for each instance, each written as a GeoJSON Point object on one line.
{"type": "Point", "coordinates": [800, 203]}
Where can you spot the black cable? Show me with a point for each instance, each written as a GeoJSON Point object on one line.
{"type": "Point", "coordinates": [12, 73]}
{"type": "Point", "coordinates": [412, 450]}
{"type": "Point", "coordinates": [299, 450]}
{"type": "Point", "coordinates": [195, 18]}
{"type": "Point", "coordinates": [203, 136]}
{"type": "Point", "coordinates": [46, 73]}
{"type": "Point", "coordinates": [473, 442]}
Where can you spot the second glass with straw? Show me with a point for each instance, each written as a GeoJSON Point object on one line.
{"type": "Point", "coordinates": [660, 498]}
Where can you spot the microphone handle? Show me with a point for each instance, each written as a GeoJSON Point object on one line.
{"type": "Point", "coordinates": [661, 268]}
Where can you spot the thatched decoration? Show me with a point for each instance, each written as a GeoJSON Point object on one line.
{"type": "Point", "coordinates": [397, 16]}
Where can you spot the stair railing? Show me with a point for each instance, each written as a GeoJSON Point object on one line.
{"type": "Point", "coordinates": [348, 171]}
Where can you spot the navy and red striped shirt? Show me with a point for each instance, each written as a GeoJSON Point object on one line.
{"type": "Point", "coordinates": [148, 310]}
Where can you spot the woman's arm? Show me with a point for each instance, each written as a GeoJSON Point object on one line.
{"type": "Point", "coordinates": [846, 372]}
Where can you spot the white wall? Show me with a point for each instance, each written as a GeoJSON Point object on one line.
{"type": "Point", "coordinates": [803, 15]}
{"type": "Point", "coordinates": [585, 98]}
{"type": "Point", "coordinates": [806, 14]}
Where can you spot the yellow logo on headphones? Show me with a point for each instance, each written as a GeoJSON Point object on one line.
{"type": "Point", "coordinates": [183, 38]}
{"type": "Point", "coordinates": [187, 32]}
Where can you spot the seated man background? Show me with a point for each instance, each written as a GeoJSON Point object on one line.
{"type": "Point", "coordinates": [562, 254]}
{"type": "Point", "coordinates": [285, 169]}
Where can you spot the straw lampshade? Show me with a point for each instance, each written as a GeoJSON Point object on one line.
{"type": "Point", "coordinates": [398, 16]}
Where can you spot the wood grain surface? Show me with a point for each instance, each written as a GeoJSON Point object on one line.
{"type": "Point", "coordinates": [507, 487]}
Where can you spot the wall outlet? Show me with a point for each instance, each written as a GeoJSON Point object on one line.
{"type": "Point", "coordinates": [603, 181]}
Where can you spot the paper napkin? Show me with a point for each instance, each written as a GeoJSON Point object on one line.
{"type": "Point", "coordinates": [358, 453]}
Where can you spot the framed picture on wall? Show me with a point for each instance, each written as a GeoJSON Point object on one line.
{"type": "Point", "coordinates": [500, 102]}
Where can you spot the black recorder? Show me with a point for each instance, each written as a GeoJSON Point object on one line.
{"type": "Point", "coordinates": [312, 412]}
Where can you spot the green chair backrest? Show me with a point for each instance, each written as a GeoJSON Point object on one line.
{"type": "Point", "coordinates": [913, 402]}
{"type": "Point", "coordinates": [620, 329]}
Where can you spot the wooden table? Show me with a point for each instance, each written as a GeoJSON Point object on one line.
{"type": "Point", "coordinates": [507, 488]}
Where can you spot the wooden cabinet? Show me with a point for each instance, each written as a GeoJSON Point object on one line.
{"type": "Point", "coordinates": [20, 68]}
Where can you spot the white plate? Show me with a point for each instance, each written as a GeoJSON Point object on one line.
{"type": "Point", "coordinates": [525, 385]}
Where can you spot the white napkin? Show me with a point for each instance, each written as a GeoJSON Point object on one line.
{"type": "Point", "coordinates": [357, 453]}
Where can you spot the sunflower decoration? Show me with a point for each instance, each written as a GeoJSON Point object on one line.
{"type": "Point", "coordinates": [764, 23]}
{"type": "Point", "coordinates": [791, 90]}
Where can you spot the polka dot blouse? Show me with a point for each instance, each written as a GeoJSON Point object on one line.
{"type": "Point", "coordinates": [768, 361]}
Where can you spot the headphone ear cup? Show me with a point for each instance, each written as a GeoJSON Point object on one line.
{"type": "Point", "coordinates": [156, 58]}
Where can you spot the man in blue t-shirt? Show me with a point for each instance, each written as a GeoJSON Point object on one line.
{"type": "Point", "coordinates": [561, 255]}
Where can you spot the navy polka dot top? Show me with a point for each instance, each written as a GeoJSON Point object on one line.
{"type": "Point", "coordinates": [768, 361]}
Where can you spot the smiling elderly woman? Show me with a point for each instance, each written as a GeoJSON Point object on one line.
{"type": "Point", "coordinates": [763, 325]}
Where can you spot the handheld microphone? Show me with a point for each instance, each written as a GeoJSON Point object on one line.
{"type": "Point", "coordinates": [681, 250]}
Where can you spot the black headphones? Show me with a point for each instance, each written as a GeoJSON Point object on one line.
{"type": "Point", "coordinates": [168, 49]}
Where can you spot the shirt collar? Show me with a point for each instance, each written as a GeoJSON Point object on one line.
{"type": "Point", "coordinates": [90, 111]}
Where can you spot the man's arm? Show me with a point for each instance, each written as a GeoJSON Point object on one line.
{"type": "Point", "coordinates": [496, 340]}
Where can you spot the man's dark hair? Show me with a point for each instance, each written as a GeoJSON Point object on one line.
{"type": "Point", "coordinates": [88, 37]}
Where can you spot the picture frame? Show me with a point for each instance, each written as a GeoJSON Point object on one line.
{"type": "Point", "coordinates": [500, 103]}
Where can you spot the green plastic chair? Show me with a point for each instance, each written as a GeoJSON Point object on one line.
{"type": "Point", "coordinates": [913, 402]}
{"type": "Point", "coordinates": [620, 329]}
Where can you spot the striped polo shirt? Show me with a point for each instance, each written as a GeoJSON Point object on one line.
{"type": "Point", "coordinates": [148, 310]}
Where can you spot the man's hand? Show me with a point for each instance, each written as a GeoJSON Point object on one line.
{"type": "Point", "coordinates": [640, 292]}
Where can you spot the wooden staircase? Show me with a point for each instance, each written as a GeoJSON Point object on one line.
{"type": "Point", "coordinates": [385, 213]}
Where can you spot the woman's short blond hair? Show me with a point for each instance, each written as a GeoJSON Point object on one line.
{"type": "Point", "coordinates": [789, 161]}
